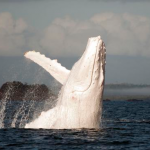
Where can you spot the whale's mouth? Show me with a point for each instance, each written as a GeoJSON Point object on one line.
{"type": "Point", "coordinates": [87, 65]}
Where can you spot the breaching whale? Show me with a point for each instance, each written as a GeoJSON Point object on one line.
{"type": "Point", "coordinates": [79, 103]}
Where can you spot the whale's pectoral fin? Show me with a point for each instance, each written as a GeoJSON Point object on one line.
{"type": "Point", "coordinates": [59, 72]}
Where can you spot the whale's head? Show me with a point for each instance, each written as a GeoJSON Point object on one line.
{"type": "Point", "coordinates": [88, 72]}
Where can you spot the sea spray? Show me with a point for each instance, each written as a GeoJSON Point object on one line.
{"type": "Point", "coordinates": [17, 112]}
{"type": "Point", "coordinates": [23, 114]}
{"type": "Point", "coordinates": [3, 104]}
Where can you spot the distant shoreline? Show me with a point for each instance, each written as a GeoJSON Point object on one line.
{"type": "Point", "coordinates": [22, 91]}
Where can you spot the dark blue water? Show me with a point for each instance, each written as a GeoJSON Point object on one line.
{"type": "Point", "coordinates": [125, 126]}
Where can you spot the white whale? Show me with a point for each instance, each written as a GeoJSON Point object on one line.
{"type": "Point", "coordinates": [79, 103]}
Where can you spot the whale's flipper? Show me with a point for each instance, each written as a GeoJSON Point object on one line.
{"type": "Point", "coordinates": [59, 72]}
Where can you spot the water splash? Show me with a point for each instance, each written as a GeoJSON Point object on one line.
{"type": "Point", "coordinates": [19, 112]}
{"type": "Point", "coordinates": [27, 109]}
{"type": "Point", "coordinates": [3, 104]}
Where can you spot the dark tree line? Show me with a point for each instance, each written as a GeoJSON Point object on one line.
{"type": "Point", "coordinates": [18, 91]}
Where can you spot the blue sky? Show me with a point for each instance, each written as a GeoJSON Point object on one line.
{"type": "Point", "coordinates": [60, 29]}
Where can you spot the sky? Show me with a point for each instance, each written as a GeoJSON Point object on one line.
{"type": "Point", "coordinates": [60, 29]}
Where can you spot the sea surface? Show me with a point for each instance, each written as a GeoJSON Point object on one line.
{"type": "Point", "coordinates": [125, 126]}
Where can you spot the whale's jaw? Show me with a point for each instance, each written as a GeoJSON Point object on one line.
{"type": "Point", "coordinates": [80, 100]}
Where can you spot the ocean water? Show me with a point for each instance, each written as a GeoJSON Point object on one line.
{"type": "Point", "coordinates": [125, 126]}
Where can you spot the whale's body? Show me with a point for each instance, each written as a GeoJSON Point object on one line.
{"type": "Point", "coordinates": [79, 103]}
